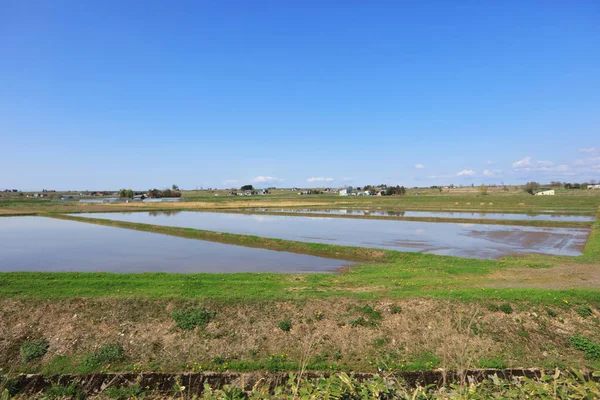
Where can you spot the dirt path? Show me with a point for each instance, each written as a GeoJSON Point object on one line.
{"type": "Point", "coordinates": [564, 276]}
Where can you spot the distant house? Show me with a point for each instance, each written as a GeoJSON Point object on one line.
{"type": "Point", "coordinates": [545, 193]}
{"type": "Point", "coordinates": [595, 187]}
{"type": "Point", "coordinates": [346, 191]}
{"type": "Point", "coordinates": [263, 192]}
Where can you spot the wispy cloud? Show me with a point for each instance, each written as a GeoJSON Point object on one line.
{"type": "Point", "coordinates": [590, 150]}
{"type": "Point", "coordinates": [487, 172]}
{"type": "Point", "coordinates": [528, 164]}
{"type": "Point", "coordinates": [544, 163]}
{"type": "Point", "coordinates": [490, 162]}
{"type": "Point", "coordinates": [230, 182]}
{"type": "Point", "coordinates": [314, 179]}
{"type": "Point", "coordinates": [466, 172]}
{"type": "Point", "coordinates": [419, 166]}
{"type": "Point", "coordinates": [266, 179]}
{"type": "Point", "coordinates": [522, 163]}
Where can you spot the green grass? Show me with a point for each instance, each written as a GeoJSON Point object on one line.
{"type": "Point", "coordinates": [33, 349]}
{"type": "Point", "coordinates": [189, 318]}
{"type": "Point", "coordinates": [104, 355]}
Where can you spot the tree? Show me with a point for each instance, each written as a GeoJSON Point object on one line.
{"type": "Point", "coordinates": [483, 189]}
{"type": "Point", "coordinates": [123, 193]}
{"type": "Point", "coordinates": [247, 187]}
{"type": "Point", "coordinates": [129, 194]}
{"type": "Point", "coordinates": [395, 191]}
{"type": "Point", "coordinates": [154, 193]}
{"type": "Point", "coordinates": [530, 187]}
{"type": "Point", "coordinates": [175, 187]}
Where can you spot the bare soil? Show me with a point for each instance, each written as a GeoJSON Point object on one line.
{"type": "Point", "coordinates": [460, 335]}
{"type": "Point", "coordinates": [562, 276]}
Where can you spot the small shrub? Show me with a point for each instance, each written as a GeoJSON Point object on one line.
{"type": "Point", "coordinates": [380, 342]}
{"type": "Point", "coordinates": [104, 355]}
{"type": "Point", "coordinates": [370, 312]}
{"type": "Point", "coordinates": [396, 309]}
{"type": "Point", "coordinates": [551, 312]}
{"type": "Point", "coordinates": [65, 392]}
{"type": "Point", "coordinates": [584, 311]}
{"type": "Point", "coordinates": [495, 363]}
{"type": "Point", "coordinates": [506, 308]}
{"type": "Point", "coordinates": [361, 321]}
{"type": "Point", "coordinates": [493, 308]}
{"type": "Point", "coordinates": [285, 325]}
{"type": "Point", "coordinates": [277, 362]}
{"type": "Point", "coordinates": [33, 349]}
{"type": "Point", "coordinates": [318, 315]}
{"type": "Point", "coordinates": [337, 355]}
{"type": "Point", "coordinates": [189, 318]}
{"type": "Point", "coordinates": [590, 348]}
{"type": "Point", "coordinates": [8, 387]}
{"type": "Point", "coordinates": [124, 393]}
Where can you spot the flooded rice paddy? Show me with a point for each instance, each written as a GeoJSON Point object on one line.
{"type": "Point", "coordinates": [52, 245]}
{"type": "Point", "coordinates": [433, 214]}
{"type": "Point", "coordinates": [456, 239]}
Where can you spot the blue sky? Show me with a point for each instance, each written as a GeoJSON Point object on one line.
{"type": "Point", "coordinates": [110, 94]}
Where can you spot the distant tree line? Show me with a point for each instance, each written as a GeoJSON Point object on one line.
{"type": "Point", "coordinates": [578, 185]}
{"type": "Point", "coordinates": [395, 191]}
{"type": "Point", "coordinates": [157, 194]}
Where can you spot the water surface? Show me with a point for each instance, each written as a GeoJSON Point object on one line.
{"type": "Point", "coordinates": [47, 244]}
{"type": "Point", "coordinates": [466, 240]}
{"type": "Point", "coordinates": [434, 214]}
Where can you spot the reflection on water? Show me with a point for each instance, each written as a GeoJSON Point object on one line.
{"type": "Point", "coordinates": [467, 240]}
{"type": "Point", "coordinates": [46, 244]}
{"type": "Point", "coordinates": [433, 214]}
{"type": "Point", "coordinates": [165, 213]}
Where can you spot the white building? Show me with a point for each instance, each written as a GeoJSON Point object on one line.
{"type": "Point", "coordinates": [545, 193]}
{"type": "Point", "coordinates": [596, 187]}
{"type": "Point", "coordinates": [346, 192]}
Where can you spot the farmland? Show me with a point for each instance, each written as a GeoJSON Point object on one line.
{"type": "Point", "coordinates": [390, 311]}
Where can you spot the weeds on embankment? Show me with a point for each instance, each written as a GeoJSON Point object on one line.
{"type": "Point", "coordinates": [470, 385]}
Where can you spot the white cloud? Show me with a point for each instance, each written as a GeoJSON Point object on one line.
{"type": "Point", "coordinates": [597, 166]}
{"type": "Point", "coordinates": [419, 166]}
{"type": "Point", "coordinates": [319, 180]}
{"type": "Point", "coordinates": [525, 162]}
{"type": "Point", "coordinates": [590, 150]}
{"type": "Point", "coordinates": [466, 172]}
{"type": "Point", "coordinates": [529, 165]}
{"type": "Point", "coordinates": [487, 172]}
{"type": "Point", "coordinates": [490, 162]}
{"type": "Point", "coordinates": [544, 163]}
{"type": "Point", "coordinates": [265, 179]}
